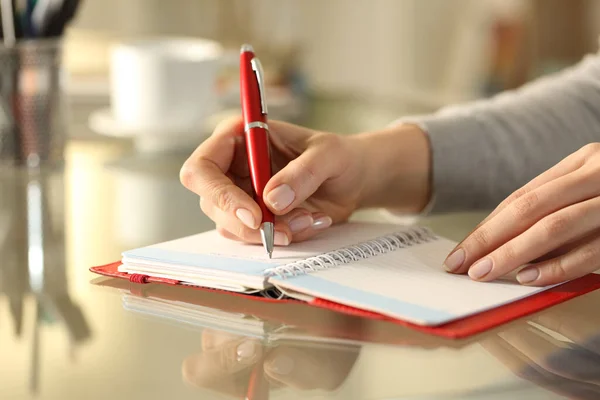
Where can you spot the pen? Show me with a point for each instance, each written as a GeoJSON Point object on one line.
{"type": "Point", "coordinates": [258, 386]}
{"type": "Point", "coordinates": [256, 131]}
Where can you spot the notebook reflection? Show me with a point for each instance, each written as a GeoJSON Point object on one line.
{"type": "Point", "coordinates": [259, 347]}
{"type": "Point", "coordinates": [269, 346]}
{"type": "Point", "coordinates": [262, 319]}
{"type": "Point", "coordinates": [558, 350]}
{"type": "Point", "coordinates": [249, 349]}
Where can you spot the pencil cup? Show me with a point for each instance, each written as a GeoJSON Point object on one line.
{"type": "Point", "coordinates": [32, 106]}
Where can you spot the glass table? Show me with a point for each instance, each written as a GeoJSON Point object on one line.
{"type": "Point", "coordinates": [66, 333]}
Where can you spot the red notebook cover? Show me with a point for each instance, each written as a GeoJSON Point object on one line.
{"type": "Point", "coordinates": [458, 329]}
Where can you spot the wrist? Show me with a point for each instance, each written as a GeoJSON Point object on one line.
{"type": "Point", "coordinates": [396, 165]}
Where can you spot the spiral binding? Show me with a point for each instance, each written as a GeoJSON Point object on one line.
{"type": "Point", "coordinates": [273, 293]}
{"type": "Point", "coordinates": [345, 255]}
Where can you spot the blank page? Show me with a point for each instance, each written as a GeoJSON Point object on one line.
{"type": "Point", "coordinates": [408, 284]}
{"type": "Point", "coordinates": [208, 254]}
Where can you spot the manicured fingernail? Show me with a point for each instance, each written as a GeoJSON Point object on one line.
{"type": "Point", "coordinates": [246, 217]}
{"type": "Point", "coordinates": [281, 197]}
{"type": "Point", "coordinates": [322, 222]}
{"type": "Point", "coordinates": [246, 351]}
{"type": "Point", "coordinates": [455, 260]}
{"type": "Point", "coordinates": [281, 239]}
{"type": "Point", "coordinates": [281, 365]}
{"type": "Point", "coordinates": [480, 269]}
{"type": "Point", "coordinates": [528, 275]}
{"type": "Point", "coordinates": [300, 223]}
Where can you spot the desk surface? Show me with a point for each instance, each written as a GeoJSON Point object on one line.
{"type": "Point", "coordinates": [66, 333]}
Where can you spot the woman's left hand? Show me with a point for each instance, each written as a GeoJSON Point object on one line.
{"type": "Point", "coordinates": [552, 223]}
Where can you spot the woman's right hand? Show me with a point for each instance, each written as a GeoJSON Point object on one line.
{"type": "Point", "coordinates": [227, 362]}
{"type": "Point", "coordinates": [319, 178]}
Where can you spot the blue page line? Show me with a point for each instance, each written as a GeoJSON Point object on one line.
{"type": "Point", "coordinates": [247, 267]}
{"type": "Point", "coordinates": [363, 299]}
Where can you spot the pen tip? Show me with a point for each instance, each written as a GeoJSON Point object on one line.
{"type": "Point", "coordinates": [246, 48]}
{"type": "Point", "coordinates": [270, 254]}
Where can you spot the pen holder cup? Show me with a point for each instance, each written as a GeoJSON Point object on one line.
{"type": "Point", "coordinates": [32, 105]}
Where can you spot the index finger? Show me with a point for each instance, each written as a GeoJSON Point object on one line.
{"type": "Point", "coordinates": [204, 173]}
{"type": "Point", "coordinates": [569, 164]}
{"type": "Point", "coordinates": [218, 150]}
{"type": "Point", "coordinates": [515, 219]}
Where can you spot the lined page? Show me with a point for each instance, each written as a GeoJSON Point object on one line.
{"type": "Point", "coordinates": [408, 284]}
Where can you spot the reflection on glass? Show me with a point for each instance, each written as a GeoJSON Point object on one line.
{"type": "Point", "coordinates": [236, 365]}
{"type": "Point", "coordinates": [35, 236]}
{"type": "Point", "coordinates": [259, 347]}
{"type": "Point", "coordinates": [558, 350]}
{"type": "Point", "coordinates": [33, 259]}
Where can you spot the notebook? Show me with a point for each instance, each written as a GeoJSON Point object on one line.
{"type": "Point", "coordinates": [389, 270]}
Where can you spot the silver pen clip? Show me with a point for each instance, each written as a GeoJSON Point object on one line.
{"type": "Point", "coordinates": [258, 70]}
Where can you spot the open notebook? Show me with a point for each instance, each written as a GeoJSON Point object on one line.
{"type": "Point", "coordinates": [394, 271]}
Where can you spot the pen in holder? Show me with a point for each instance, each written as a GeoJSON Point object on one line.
{"type": "Point", "coordinates": [32, 106]}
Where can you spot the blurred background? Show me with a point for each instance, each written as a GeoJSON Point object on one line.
{"type": "Point", "coordinates": [422, 52]}
{"type": "Point", "coordinates": [344, 66]}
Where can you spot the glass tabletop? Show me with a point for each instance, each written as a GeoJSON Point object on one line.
{"type": "Point", "coordinates": [67, 333]}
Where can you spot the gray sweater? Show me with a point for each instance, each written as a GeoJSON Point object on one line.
{"type": "Point", "coordinates": [485, 150]}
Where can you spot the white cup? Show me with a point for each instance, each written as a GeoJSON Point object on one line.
{"type": "Point", "coordinates": [163, 84]}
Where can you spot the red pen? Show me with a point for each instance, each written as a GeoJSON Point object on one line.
{"type": "Point", "coordinates": [258, 386]}
{"type": "Point", "coordinates": [256, 130]}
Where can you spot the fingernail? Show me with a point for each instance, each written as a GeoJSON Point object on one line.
{"type": "Point", "coordinates": [300, 223]}
{"type": "Point", "coordinates": [322, 222]}
{"type": "Point", "coordinates": [281, 365]}
{"type": "Point", "coordinates": [281, 197]}
{"type": "Point", "coordinates": [281, 239]}
{"type": "Point", "coordinates": [246, 217]}
{"type": "Point", "coordinates": [246, 351]}
{"type": "Point", "coordinates": [480, 269]}
{"type": "Point", "coordinates": [455, 260]}
{"type": "Point", "coordinates": [528, 275]}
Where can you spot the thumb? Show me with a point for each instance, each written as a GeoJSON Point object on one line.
{"type": "Point", "coordinates": [301, 177]}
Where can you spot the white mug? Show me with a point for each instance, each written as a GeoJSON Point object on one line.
{"type": "Point", "coordinates": [163, 84]}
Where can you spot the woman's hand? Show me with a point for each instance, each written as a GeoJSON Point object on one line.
{"type": "Point", "coordinates": [551, 223]}
{"type": "Point", "coordinates": [319, 178]}
{"type": "Point", "coordinates": [316, 181]}
{"type": "Point", "coordinates": [228, 361]}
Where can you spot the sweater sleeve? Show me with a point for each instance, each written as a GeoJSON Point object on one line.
{"type": "Point", "coordinates": [485, 150]}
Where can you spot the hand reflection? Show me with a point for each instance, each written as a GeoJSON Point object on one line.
{"type": "Point", "coordinates": [227, 362]}
{"type": "Point", "coordinates": [570, 366]}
